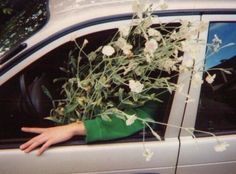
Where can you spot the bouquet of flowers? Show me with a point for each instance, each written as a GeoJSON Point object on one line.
{"type": "Point", "coordinates": [137, 65]}
{"type": "Point", "coordinates": [141, 58]}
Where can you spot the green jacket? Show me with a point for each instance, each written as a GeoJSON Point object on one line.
{"type": "Point", "coordinates": [98, 129]}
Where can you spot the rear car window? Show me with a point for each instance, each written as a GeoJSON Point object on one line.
{"type": "Point", "coordinates": [217, 105]}
{"type": "Point", "coordinates": [25, 18]}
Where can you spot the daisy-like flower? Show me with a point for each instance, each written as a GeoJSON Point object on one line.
{"type": "Point", "coordinates": [124, 46]}
{"type": "Point", "coordinates": [131, 119]}
{"type": "Point", "coordinates": [148, 58]}
{"type": "Point", "coordinates": [151, 46]}
{"type": "Point", "coordinates": [163, 5]}
{"type": "Point", "coordinates": [220, 147]}
{"type": "Point", "coordinates": [148, 154]}
{"type": "Point", "coordinates": [210, 78]}
{"type": "Point", "coordinates": [108, 50]}
{"type": "Point", "coordinates": [154, 33]}
{"type": "Point", "coordinates": [197, 79]}
{"type": "Point", "coordinates": [174, 35]}
{"type": "Point", "coordinates": [124, 30]}
{"type": "Point", "coordinates": [135, 86]}
{"type": "Point", "coordinates": [138, 8]}
{"type": "Point", "coordinates": [216, 42]}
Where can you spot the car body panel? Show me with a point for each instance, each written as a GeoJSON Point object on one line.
{"type": "Point", "coordinates": [117, 157]}
{"type": "Point", "coordinates": [70, 21]}
{"type": "Point", "coordinates": [213, 162]}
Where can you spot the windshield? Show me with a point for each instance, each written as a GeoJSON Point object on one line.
{"type": "Point", "coordinates": [19, 20]}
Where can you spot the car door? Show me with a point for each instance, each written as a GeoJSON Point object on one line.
{"type": "Point", "coordinates": [214, 108]}
{"type": "Point", "coordinates": [123, 156]}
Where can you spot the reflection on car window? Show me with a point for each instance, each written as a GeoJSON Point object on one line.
{"type": "Point", "coordinates": [217, 105]}
{"type": "Point", "coordinates": [26, 18]}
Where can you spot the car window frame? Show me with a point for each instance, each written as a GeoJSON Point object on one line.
{"type": "Point", "coordinates": [201, 148]}
{"type": "Point", "coordinates": [191, 110]}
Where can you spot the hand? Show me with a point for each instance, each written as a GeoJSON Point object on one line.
{"type": "Point", "coordinates": [50, 136]}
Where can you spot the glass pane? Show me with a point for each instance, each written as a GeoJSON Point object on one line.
{"type": "Point", "coordinates": [217, 105]}
{"type": "Point", "coordinates": [26, 18]}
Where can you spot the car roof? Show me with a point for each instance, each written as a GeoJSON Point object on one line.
{"type": "Point", "coordinates": [67, 13]}
{"type": "Point", "coordinates": [58, 7]}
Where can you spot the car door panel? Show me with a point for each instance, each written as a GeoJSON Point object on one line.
{"type": "Point", "coordinates": [98, 158]}
{"type": "Point", "coordinates": [199, 155]}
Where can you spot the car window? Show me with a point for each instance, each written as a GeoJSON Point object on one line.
{"type": "Point", "coordinates": [24, 101]}
{"type": "Point", "coordinates": [217, 104]}
{"type": "Point", "coordinates": [25, 19]}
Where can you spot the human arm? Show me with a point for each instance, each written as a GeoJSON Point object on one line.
{"type": "Point", "coordinates": [100, 130]}
{"type": "Point", "coordinates": [95, 130]}
{"type": "Point", "coordinates": [50, 136]}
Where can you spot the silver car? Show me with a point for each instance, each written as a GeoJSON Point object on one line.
{"type": "Point", "coordinates": [35, 44]}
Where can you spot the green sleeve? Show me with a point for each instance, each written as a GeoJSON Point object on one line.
{"type": "Point", "coordinates": [98, 129]}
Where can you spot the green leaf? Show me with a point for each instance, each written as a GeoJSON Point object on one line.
{"type": "Point", "coordinates": [46, 92]}
{"type": "Point", "coordinates": [70, 107]}
{"type": "Point", "coordinates": [105, 117]}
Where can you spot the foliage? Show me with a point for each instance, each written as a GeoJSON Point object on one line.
{"type": "Point", "coordinates": [4, 7]}
{"type": "Point", "coordinates": [136, 66]}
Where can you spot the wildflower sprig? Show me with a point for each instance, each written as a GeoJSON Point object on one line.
{"type": "Point", "coordinates": [139, 64]}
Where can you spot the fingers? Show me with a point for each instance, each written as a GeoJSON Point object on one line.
{"type": "Point", "coordinates": [33, 130]}
{"type": "Point", "coordinates": [33, 143]}
{"type": "Point", "coordinates": [44, 147]}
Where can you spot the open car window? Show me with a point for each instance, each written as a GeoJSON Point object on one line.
{"type": "Point", "coordinates": [25, 102]}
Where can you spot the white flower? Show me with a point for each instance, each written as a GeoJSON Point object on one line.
{"type": "Point", "coordinates": [148, 154]}
{"type": "Point", "coordinates": [148, 58]}
{"type": "Point", "coordinates": [216, 40]}
{"type": "Point", "coordinates": [124, 46]}
{"type": "Point", "coordinates": [174, 35]}
{"type": "Point", "coordinates": [191, 49]}
{"type": "Point", "coordinates": [216, 43]}
{"type": "Point", "coordinates": [124, 30]}
{"type": "Point", "coordinates": [156, 135]}
{"type": "Point", "coordinates": [167, 65]}
{"type": "Point", "coordinates": [135, 86]}
{"type": "Point", "coordinates": [163, 5]}
{"type": "Point", "coordinates": [202, 26]}
{"type": "Point", "coordinates": [138, 8]}
{"type": "Point", "coordinates": [85, 42]}
{"type": "Point", "coordinates": [131, 119]}
{"type": "Point", "coordinates": [221, 147]}
{"type": "Point", "coordinates": [179, 88]}
{"type": "Point", "coordinates": [131, 66]}
{"type": "Point", "coordinates": [210, 78]}
{"type": "Point", "coordinates": [188, 63]}
{"type": "Point", "coordinates": [197, 79]}
{"type": "Point", "coordinates": [151, 46]}
{"type": "Point", "coordinates": [147, 22]}
{"type": "Point", "coordinates": [108, 50]}
{"type": "Point", "coordinates": [154, 33]}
